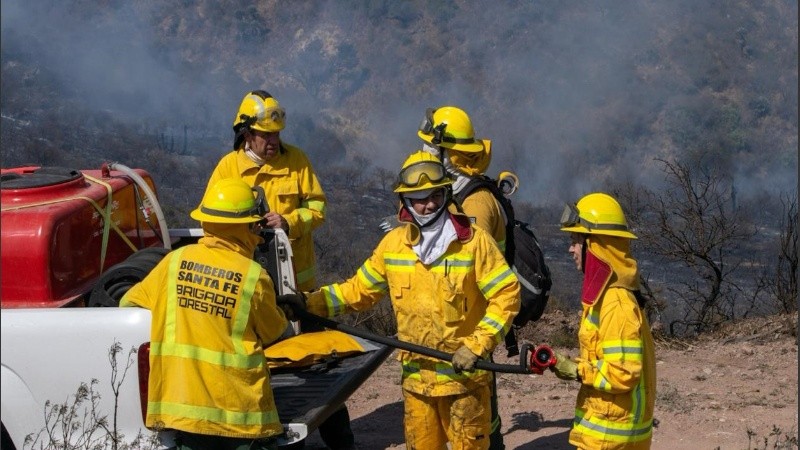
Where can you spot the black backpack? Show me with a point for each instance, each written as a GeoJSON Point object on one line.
{"type": "Point", "coordinates": [525, 257]}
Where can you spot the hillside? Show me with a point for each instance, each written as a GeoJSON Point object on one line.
{"type": "Point", "coordinates": [598, 89]}
{"type": "Point", "coordinates": [576, 97]}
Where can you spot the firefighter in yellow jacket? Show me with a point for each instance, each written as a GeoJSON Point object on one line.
{"type": "Point", "coordinates": [616, 366]}
{"type": "Point", "coordinates": [448, 134]}
{"type": "Point", "coordinates": [452, 291]}
{"type": "Point", "coordinates": [293, 192]}
{"type": "Point", "coordinates": [214, 312]}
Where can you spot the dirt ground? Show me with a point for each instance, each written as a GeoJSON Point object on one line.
{"type": "Point", "coordinates": [735, 389]}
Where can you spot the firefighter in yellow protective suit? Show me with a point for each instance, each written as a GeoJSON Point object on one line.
{"type": "Point", "coordinates": [213, 313]}
{"type": "Point", "coordinates": [616, 367]}
{"type": "Point", "coordinates": [295, 199]}
{"type": "Point", "coordinates": [452, 291]}
{"type": "Point", "coordinates": [448, 134]}
{"type": "Point", "coordinates": [293, 192]}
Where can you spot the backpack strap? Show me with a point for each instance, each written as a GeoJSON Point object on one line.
{"type": "Point", "coordinates": [482, 181]}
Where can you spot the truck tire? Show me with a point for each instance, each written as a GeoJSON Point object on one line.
{"type": "Point", "coordinates": [5, 440]}
{"type": "Point", "coordinates": [113, 284]}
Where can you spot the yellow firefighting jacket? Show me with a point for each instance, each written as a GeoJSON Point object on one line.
{"type": "Point", "coordinates": [468, 296]}
{"type": "Point", "coordinates": [293, 191]}
{"type": "Point", "coordinates": [487, 213]}
{"type": "Point", "coordinates": [617, 358]}
{"type": "Point", "coordinates": [213, 312]}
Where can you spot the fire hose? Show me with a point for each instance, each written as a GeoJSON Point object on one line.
{"type": "Point", "coordinates": [541, 357]}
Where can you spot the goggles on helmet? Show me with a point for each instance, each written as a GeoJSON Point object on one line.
{"type": "Point", "coordinates": [437, 131]}
{"type": "Point", "coordinates": [265, 117]}
{"type": "Point", "coordinates": [412, 175]}
{"type": "Point", "coordinates": [570, 217]}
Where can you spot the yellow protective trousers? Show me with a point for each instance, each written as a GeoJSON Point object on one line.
{"type": "Point", "coordinates": [464, 420]}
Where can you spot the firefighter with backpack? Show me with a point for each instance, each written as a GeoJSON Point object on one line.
{"type": "Point", "coordinates": [448, 134]}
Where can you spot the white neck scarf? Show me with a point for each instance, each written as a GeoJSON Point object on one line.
{"type": "Point", "coordinates": [255, 158]}
{"type": "Point", "coordinates": [435, 238]}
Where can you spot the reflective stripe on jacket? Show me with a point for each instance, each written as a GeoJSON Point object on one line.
{"type": "Point", "coordinates": [617, 360]}
{"type": "Point", "coordinates": [213, 312]}
{"type": "Point", "coordinates": [468, 296]}
{"type": "Point", "coordinates": [293, 191]}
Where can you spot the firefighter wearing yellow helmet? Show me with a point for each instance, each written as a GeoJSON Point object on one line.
{"type": "Point", "coordinates": [293, 192]}
{"type": "Point", "coordinates": [296, 202]}
{"type": "Point", "coordinates": [212, 299]}
{"type": "Point", "coordinates": [448, 134]}
{"type": "Point", "coordinates": [616, 366]}
{"type": "Point", "coordinates": [451, 290]}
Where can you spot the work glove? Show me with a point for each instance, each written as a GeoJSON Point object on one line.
{"type": "Point", "coordinates": [291, 304]}
{"type": "Point", "coordinates": [565, 368]}
{"type": "Point", "coordinates": [389, 222]}
{"type": "Point", "coordinates": [464, 359]}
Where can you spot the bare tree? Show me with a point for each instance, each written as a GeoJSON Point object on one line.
{"type": "Point", "coordinates": [784, 285]}
{"type": "Point", "coordinates": [693, 222]}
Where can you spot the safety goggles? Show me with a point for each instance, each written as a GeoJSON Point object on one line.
{"type": "Point", "coordinates": [437, 131]}
{"type": "Point", "coordinates": [570, 216]}
{"type": "Point", "coordinates": [412, 175]}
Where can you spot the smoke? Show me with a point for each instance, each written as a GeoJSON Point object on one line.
{"type": "Point", "coordinates": [574, 96]}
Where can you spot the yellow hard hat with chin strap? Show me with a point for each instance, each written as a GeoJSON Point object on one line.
{"type": "Point", "coordinates": [449, 127]}
{"type": "Point", "coordinates": [258, 111]}
{"type": "Point", "coordinates": [596, 213]}
{"type": "Point", "coordinates": [231, 200]}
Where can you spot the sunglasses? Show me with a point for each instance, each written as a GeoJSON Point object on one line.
{"type": "Point", "coordinates": [412, 175]}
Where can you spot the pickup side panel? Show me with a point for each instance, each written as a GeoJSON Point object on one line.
{"type": "Point", "coordinates": [48, 353]}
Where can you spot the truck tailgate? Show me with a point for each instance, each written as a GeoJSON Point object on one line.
{"type": "Point", "coordinates": [305, 398]}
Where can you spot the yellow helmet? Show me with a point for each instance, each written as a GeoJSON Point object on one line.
{"type": "Point", "coordinates": [449, 127]}
{"type": "Point", "coordinates": [596, 213]}
{"type": "Point", "coordinates": [422, 171]}
{"type": "Point", "coordinates": [260, 111]}
{"type": "Point", "coordinates": [231, 200]}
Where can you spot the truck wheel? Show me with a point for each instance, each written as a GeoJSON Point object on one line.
{"type": "Point", "coordinates": [296, 446]}
{"type": "Point", "coordinates": [5, 440]}
{"type": "Point", "coordinates": [119, 278]}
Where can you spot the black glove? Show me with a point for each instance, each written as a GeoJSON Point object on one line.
{"type": "Point", "coordinates": [291, 303]}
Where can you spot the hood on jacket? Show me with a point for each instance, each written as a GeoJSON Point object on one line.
{"type": "Point", "coordinates": [608, 263]}
{"type": "Point", "coordinates": [233, 236]}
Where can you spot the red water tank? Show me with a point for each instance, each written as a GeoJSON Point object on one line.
{"type": "Point", "coordinates": [54, 240]}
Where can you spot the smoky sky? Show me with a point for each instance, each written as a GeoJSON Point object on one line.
{"type": "Point", "coordinates": [573, 96]}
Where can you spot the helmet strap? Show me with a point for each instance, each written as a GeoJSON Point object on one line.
{"type": "Point", "coordinates": [438, 133]}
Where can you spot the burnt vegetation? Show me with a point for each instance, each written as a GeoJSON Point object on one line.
{"type": "Point", "coordinates": [686, 110]}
